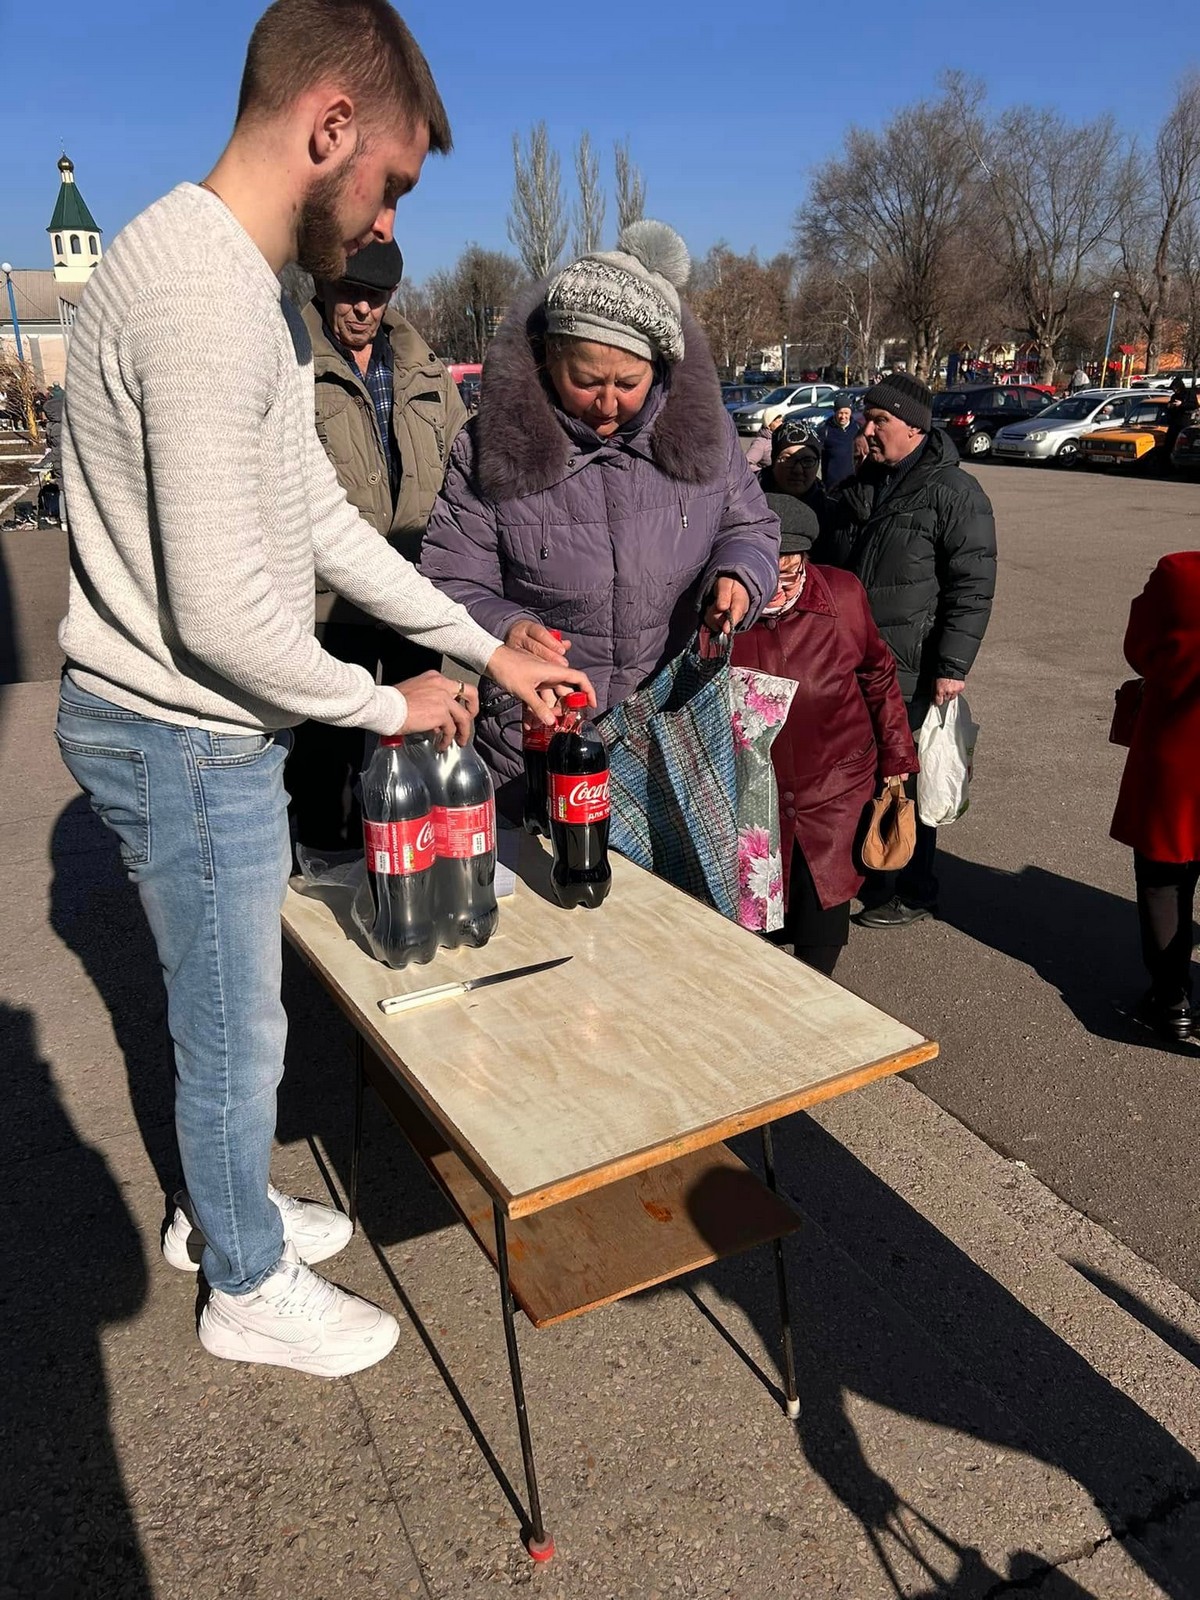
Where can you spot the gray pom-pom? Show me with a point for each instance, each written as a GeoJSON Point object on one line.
{"type": "Point", "coordinates": [659, 249]}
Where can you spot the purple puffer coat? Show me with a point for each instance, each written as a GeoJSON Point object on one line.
{"type": "Point", "coordinates": [616, 542]}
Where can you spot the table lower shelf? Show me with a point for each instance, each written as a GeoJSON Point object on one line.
{"type": "Point", "coordinates": [613, 1241]}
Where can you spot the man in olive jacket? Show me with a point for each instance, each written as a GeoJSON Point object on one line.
{"type": "Point", "coordinates": [387, 412]}
{"type": "Point", "coordinates": [919, 534]}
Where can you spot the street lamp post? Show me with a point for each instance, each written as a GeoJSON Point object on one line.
{"type": "Point", "coordinates": [1112, 321]}
{"type": "Point", "coordinates": [26, 393]}
{"type": "Point", "coordinates": [6, 269]}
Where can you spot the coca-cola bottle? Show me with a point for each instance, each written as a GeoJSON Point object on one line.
{"type": "Point", "coordinates": [535, 741]}
{"type": "Point", "coordinates": [398, 841]}
{"type": "Point", "coordinates": [463, 807]}
{"type": "Point", "coordinates": [577, 769]}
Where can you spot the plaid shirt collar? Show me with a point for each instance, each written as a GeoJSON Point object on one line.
{"type": "Point", "coordinates": [378, 383]}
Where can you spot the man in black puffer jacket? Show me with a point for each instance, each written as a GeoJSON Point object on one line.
{"type": "Point", "coordinates": [918, 533]}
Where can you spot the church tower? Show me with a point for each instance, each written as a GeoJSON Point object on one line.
{"type": "Point", "coordinates": [74, 236]}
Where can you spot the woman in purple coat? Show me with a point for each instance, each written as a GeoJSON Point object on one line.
{"type": "Point", "coordinates": [600, 492]}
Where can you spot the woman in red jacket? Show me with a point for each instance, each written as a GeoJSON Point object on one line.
{"type": "Point", "coordinates": [1158, 810]}
{"type": "Point", "coordinates": [846, 729]}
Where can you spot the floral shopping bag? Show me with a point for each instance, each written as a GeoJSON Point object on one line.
{"type": "Point", "coordinates": [760, 704]}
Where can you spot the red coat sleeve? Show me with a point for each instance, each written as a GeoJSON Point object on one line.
{"type": "Point", "coordinates": [1145, 632]}
{"type": "Point", "coordinates": [876, 674]}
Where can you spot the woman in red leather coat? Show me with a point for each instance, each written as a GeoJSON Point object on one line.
{"type": "Point", "coordinates": [846, 730]}
{"type": "Point", "coordinates": [1158, 810]}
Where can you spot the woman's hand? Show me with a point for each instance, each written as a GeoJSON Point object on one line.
{"type": "Point", "coordinates": [899, 777]}
{"type": "Point", "coordinates": [535, 682]}
{"type": "Point", "coordinates": [530, 636]}
{"type": "Point", "coordinates": [729, 604]}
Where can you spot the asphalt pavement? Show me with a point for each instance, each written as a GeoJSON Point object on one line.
{"type": "Point", "coordinates": [998, 1344]}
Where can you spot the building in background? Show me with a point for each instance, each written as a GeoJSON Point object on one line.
{"type": "Point", "coordinates": [47, 296]}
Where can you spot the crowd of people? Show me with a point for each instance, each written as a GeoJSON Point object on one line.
{"type": "Point", "coordinates": [275, 543]}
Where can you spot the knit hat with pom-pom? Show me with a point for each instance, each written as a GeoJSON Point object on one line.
{"type": "Point", "coordinates": [627, 297]}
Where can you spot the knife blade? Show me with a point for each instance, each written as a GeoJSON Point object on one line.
{"type": "Point", "coordinates": [448, 991]}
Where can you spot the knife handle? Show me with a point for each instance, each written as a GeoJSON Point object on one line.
{"type": "Point", "coordinates": [422, 997]}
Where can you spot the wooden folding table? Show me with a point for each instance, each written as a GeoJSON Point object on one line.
{"type": "Point", "coordinates": [575, 1120]}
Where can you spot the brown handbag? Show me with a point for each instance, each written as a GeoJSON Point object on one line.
{"type": "Point", "coordinates": [1127, 703]}
{"type": "Point", "coordinates": [891, 835]}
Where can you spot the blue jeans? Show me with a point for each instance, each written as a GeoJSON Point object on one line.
{"type": "Point", "coordinates": [201, 819]}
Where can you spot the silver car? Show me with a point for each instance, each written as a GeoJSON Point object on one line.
{"type": "Point", "coordinates": [753, 418]}
{"type": "Point", "coordinates": [1053, 435]}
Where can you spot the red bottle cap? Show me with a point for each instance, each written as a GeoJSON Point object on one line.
{"type": "Point", "coordinates": [554, 634]}
{"type": "Point", "coordinates": [391, 739]}
{"type": "Point", "coordinates": [576, 701]}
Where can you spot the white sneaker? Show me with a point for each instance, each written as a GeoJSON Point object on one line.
{"type": "Point", "coordinates": [317, 1231]}
{"type": "Point", "coordinates": [296, 1319]}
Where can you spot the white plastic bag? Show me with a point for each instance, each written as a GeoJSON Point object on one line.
{"type": "Point", "coordinates": [946, 751]}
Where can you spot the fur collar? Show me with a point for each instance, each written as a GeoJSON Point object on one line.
{"type": "Point", "coordinates": [520, 445]}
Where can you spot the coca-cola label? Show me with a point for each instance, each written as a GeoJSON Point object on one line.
{"type": "Point", "coordinates": [396, 849]}
{"type": "Point", "coordinates": [461, 833]}
{"type": "Point", "coordinates": [579, 799]}
{"type": "Point", "coordinates": [536, 735]}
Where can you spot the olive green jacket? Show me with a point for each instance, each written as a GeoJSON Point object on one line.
{"type": "Point", "coordinates": [427, 414]}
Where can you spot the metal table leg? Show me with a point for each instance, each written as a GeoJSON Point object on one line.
{"type": "Point", "coordinates": [785, 1313]}
{"type": "Point", "coordinates": [539, 1544]}
{"type": "Point", "coordinates": [360, 1084]}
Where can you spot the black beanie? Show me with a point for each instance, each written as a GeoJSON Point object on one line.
{"type": "Point", "coordinates": [905, 397]}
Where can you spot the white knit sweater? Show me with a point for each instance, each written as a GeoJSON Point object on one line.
{"type": "Point", "coordinates": [202, 505]}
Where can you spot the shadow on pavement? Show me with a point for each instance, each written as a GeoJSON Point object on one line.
{"type": "Point", "coordinates": [885, 1308]}
{"type": "Point", "coordinates": [95, 911]}
{"type": "Point", "coordinates": [12, 660]}
{"type": "Point", "coordinates": [1080, 939]}
{"type": "Point", "coordinates": [1171, 1334]}
{"type": "Point", "coordinates": [73, 1265]}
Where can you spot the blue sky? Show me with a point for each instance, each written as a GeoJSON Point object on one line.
{"type": "Point", "coordinates": [727, 105]}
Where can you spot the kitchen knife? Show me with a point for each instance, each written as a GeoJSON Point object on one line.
{"type": "Point", "coordinates": [447, 991]}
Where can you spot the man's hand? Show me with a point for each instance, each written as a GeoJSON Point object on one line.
{"type": "Point", "coordinates": [729, 604]}
{"type": "Point", "coordinates": [859, 449]}
{"type": "Point", "coordinates": [441, 705]}
{"type": "Point", "coordinates": [946, 689]}
{"type": "Point", "coordinates": [535, 640]}
{"type": "Point", "coordinates": [536, 683]}
{"type": "Point", "coordinates": [897, 777]}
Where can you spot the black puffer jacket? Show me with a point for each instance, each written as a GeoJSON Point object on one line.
{"type": "Point", "coordinates": [926, 555]}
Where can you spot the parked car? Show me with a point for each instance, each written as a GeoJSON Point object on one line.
{"type": "Point", "coordinates": [1138, 441]}
{"type": "Point", "coordinates": [750, 418]}
{"type": "Point", "coordinates": [815, 416]}
{"type": "Point", "coordinates": [1054, 434]}
{"type": "Point", "coordinates": [1185, 457]}
{"type": "Point", "coordinates": [743, 394]}
{"type": "Point", "coordinates": [973, 417]}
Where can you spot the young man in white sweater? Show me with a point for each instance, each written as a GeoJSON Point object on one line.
{"type": "Point", "coordinates": [203, 509]}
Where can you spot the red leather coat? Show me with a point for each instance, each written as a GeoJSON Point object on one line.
{"type": "Point", "coordinates": [1158, 809]}
{"type": "Point", "coordinates": [847, 728]}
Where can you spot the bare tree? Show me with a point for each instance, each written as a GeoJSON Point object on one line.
{"type": "Point", "coordinates": [1057, 191]}
{"type": "Point", "coordinates": [1159, 189]}
{"type": "Point", "coordinates": [1185, 272]}
{"type": "Point", "coordinates": [740, 303]}
{"type": "Point", "coordinates": [589, 211]}
{"type": "Point", "coordinates": [631, 188]}
{"type": "Point", "coordinates": [537, 221]}
{"type": "Point", "coordinates": [905, 199]}
{"type": "Point", "coordinates": [458, 310]}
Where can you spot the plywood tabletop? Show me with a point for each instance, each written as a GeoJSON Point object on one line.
{"type": "Point", "coordinates": [670, 1030]}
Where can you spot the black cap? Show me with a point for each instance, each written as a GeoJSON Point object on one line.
{"type": "Point", "coordinates": [905, 397]}
{"type": "Point", "coordinates": [798, 525]}
{"type": "Point", "coordinates": [376, 266]}
{"type": "Point", "coordinates": [794, 431]}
